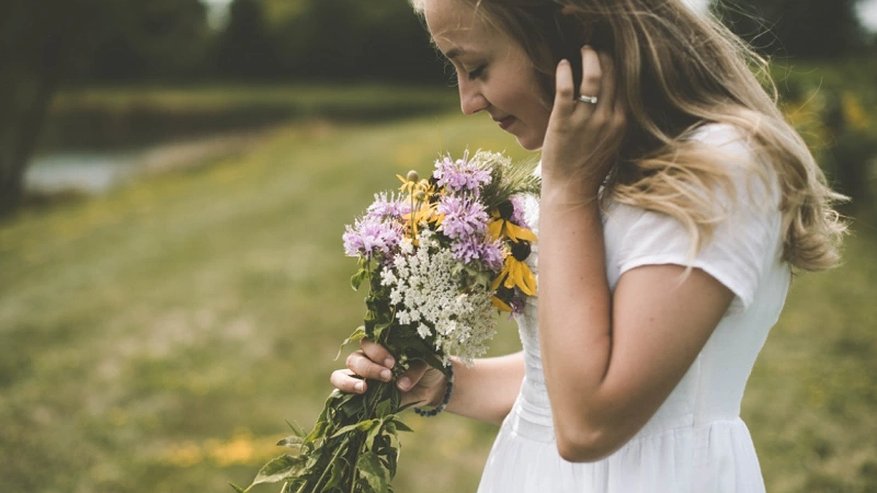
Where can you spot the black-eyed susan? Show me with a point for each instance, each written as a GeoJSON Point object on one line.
{"type": "Point", "coordinates": [515, 272]}
{"type": "Point", "coordinates": [501, 225]}
{"type": "Point", "coordinates": [504, 299]}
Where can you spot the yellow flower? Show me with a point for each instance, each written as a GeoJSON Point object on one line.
{"type": "Point", "coordinates": [424, 213]}
{"type": "Point", "coordinates": [516, 273]}
{"type": "Point", "coordinates": [408, 182]}
{"type": "Point", "coordinates": [502, 226]}
{"type": "Point", "coordinates": [500, 304]}
{"type": "Point", "coordinates": [420, 194]}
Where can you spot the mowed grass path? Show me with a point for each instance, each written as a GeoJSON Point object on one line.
{"type": "Point", "coordinates": [155, 339]}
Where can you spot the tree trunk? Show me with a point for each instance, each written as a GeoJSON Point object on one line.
{"type": "Point", "coordinates": [26, 99]}
{"type": "Point", "coordinates": [33, 56]}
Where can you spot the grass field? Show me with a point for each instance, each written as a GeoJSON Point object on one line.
{"type": "Point", "coordinates": [155, 339]}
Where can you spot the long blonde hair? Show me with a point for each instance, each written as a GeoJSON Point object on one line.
{"type": "Point", "coordinates": [678, 69]}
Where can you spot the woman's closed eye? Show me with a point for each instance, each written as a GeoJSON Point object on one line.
{"type": "Point", "coordinates": [470, 74]}
{"type": "Point", "coordinates": [477, 72]}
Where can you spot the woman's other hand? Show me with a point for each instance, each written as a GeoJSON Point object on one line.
{"type": "Point", "coordinates": [583, 138]}
{"type": "Point", "coordinates": [421, 384]}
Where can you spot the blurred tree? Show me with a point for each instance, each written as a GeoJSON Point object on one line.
{"type": "Point", "coordinates": [46, 42]}
{"type": "Point", "coordinates": [795, 28]}
{"type": "Point", "coordinates": [245, 48]}
{"type": "Point", "coordinates": [41, 42]}
{"type": "Point", "coordinates": [351, 39]}
{"type": "Point", "coordinates": [158, 39]}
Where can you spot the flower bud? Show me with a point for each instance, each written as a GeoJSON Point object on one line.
{"type": "Point", "coordinates": [412, 176]}
{"type": "Point", "coordinates": [419, 196]}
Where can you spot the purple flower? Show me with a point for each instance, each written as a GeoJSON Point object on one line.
{"type": "Point", "coordinates": [463, 218]}
{"type": "Point", "coordinates": [518, 211]}
{"type": "Point", "coordinates": [460, 175]}
{"type": "Point", "coordinates": [387, 207]}
{"type": "Point", "coordinates": [471, 250]}
{"type": "Point", "coordinates": [371, 236]}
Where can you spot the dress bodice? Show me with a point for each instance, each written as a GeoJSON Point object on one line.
{"type": "Point", "coordinates": [713, 386]}
{"type": "Point", "coordinates": [695, 442]}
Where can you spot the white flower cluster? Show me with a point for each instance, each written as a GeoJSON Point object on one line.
{"type": "Point", "coordinates": [489, 159]}
{"type": "Point", "coordinates": [428, 290]}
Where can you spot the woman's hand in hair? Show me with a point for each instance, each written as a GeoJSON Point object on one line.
{"type": "Point", "coordinates": [582, 141]}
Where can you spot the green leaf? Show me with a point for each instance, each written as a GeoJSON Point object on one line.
{"type": "Point", "coordinates": [277, 469]}
{"type": "Point", "coordinates": [237, 488]}
{"type": "Point", "coordinates": [295, 428]}
{"type": "Point", "coordinates": [356, 336]}
{"type": "Point", "coordinates": [384, 408]}
{"type": "Point", "coordinates": [291, 441]}
{"type": "Point", "coordinates": [336, 474]}
{"type": "Point", "coordinates": [401, 426]}
{"type": "Point", "coordinates": [357, 279]}
{"type": "Point", "coordinates": [360, 426]}
{"type": "Point", "coordinates": [373, 432]}
{"type": "Point", "coordinates": [371, 469]}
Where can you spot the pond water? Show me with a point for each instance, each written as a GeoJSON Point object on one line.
{"type": "Point", "coordinates": [92, 172]}
{"type": "Point", "coordinates": [96, 172]}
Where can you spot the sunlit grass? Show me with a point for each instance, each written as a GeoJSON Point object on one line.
{"type": "Point", "coordinates": [156, 338]}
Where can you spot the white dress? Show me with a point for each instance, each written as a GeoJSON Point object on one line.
{"type": "Point", "coordinates": [696, 441]}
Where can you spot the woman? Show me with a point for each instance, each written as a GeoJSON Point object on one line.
{"type": "Point", "coordinates": [675, 203]}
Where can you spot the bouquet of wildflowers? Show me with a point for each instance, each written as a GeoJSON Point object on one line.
{"type": "Point", "coordinates": [438, 257]}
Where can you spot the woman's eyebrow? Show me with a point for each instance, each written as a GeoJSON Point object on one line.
{"type": "Point", "coordinates": [455, 52]}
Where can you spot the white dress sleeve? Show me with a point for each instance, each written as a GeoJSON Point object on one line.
{"type": "Point", "coordinates": [743, 243]}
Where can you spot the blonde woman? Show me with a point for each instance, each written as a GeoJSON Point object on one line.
{"type": "Point", "coordinates": [676, 203]}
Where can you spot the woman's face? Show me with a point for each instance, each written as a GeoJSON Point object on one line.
{"type": "Point", "coordinates": [494, 73]}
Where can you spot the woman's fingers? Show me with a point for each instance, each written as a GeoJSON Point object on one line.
{"type": "Point", "coordinates": [372, 361]}
{"type": "Point", "coordinates": [410, 378]}
{"type": "Point", "coordinates": [361, 365]}
{"type": "Point", "coordinates": [592, 74]}
{"type": "Point", "coordinates": [593, 85]}
{"type": "Point", "coordinates": [347, 382]}
{"type": "Point", "coordinates": [377, 353]}
{"type": "Point", "coordinates": [564, 92]}
{"type": "Point", "coordinates": [611, 112]}
{"type": "Point", "coordinates": [607, 84]}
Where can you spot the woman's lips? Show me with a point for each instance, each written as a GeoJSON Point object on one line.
{"type": "Point", "coordinates": [505, 123]}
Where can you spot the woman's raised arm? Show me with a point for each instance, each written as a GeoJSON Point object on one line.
{"type": "Point", "coordinates": [610, 359]}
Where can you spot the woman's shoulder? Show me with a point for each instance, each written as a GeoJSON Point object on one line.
{"type": "Point", "coordinates": [741, 159]}
{"type": "Point", "coordinates": [740, 183]}
{"type": "Point", "coordinates": [724, 137]}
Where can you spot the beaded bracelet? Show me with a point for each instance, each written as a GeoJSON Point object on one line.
{"type": "Point", "coordinates": [428, 413]}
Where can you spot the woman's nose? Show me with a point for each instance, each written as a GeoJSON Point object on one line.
{"type": "Point", "coordinates": [471, 99]}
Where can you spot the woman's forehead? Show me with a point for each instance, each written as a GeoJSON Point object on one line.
{"type": "Point", "coordinates": [453, 25]}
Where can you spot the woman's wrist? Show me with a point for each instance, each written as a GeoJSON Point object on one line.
{"type": "Point", "coordinates": [441, 394]}
{"type": "Point", "coordinates": [566, 192]}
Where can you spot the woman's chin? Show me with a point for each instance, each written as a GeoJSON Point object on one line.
{"type": "Point", "coordinates": [528, 142]}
